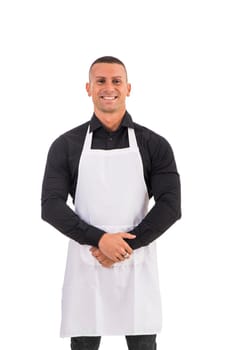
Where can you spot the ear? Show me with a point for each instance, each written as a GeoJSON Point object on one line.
{"type": "Point", "coordinates": [128, 89]}
{"type": "Point", "coordinates": [88, 89]}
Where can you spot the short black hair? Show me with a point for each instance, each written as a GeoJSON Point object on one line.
{"type": "Point", "coordinates": [108, 59]}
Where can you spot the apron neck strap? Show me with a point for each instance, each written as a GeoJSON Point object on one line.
{"type": "Point", "coordinates": [89, 136]}
{"type": "Point", "coordinates": [132, 138]}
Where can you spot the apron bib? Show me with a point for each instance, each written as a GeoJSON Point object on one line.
{"type": "Point", "coordinates": [111, 194]}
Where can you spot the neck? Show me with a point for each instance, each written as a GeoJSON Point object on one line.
{"type": "Point", "coordinates": [111, 121]}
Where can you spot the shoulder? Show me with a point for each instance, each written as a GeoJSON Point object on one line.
{"type": "Point", "coordinates": [71, 137]}
{"type": "Point", "coordinates": [156, 150]}
{"type": "Point", "coordinates": [77, 133]}
{"type": "Point", "coordinates": [68, 144]}
{"type": "Point", "coordinates": [150, 139]}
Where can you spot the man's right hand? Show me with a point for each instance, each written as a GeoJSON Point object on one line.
{"type": "Point", "coordinates": [114, 247]}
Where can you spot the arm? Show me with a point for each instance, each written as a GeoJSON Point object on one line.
{"type": "Point", "coordinates": [57, 184]}
{"type": "Point", "coordinates": [164, 185]}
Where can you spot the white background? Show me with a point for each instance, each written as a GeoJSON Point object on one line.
{"type": "Point", "coordinates": [175, 55]}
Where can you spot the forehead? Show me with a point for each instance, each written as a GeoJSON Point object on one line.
{"type": "Point", "coordinates": [107, 70]}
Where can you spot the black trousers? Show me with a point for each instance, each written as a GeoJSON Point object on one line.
{"type": "Point", "coordinates": [134, 342]}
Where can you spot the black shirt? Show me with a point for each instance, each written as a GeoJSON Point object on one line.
{"type": "Point", "coordinates": [160, 174]}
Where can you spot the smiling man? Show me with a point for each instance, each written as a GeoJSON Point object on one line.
{"type": "Point", "coordinates": [108, 91]}
{"type": "Point", "coordinates": [111, 167]}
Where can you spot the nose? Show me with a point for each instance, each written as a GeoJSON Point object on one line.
{"type": "Point", "coordinates": [108, 85]}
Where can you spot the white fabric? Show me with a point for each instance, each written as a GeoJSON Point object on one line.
{"type": "Point", "coordinates": [111, 194]}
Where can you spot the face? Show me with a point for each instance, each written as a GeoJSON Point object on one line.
{"type": "Point", "coordinates": [108, 88]}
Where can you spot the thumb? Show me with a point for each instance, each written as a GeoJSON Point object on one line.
{"type": "Point", "coordinates": [128, 235]}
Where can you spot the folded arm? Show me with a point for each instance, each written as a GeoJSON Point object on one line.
{"type": "Point", "coordinates": [57, 185]}
{"type": "Point", "coordinates": [164, 185]}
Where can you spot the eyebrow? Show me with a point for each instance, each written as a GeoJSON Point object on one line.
{"type": "Point", "coordinates": [114, 77]}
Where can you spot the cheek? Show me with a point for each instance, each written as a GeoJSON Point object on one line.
{"type": "Point", "coordinates": [95, 99]}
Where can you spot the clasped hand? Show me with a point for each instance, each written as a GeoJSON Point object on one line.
{"type": "Point", "coordinates": [112, 248]}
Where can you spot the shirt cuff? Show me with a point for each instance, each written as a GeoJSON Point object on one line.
{"type": "Point", "coordinates": [134, 243]}
{"type": "Point", "coordinates": [93, 235]}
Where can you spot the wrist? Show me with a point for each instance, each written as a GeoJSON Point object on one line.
{"type": "Point", "coordinates": [101, 239]}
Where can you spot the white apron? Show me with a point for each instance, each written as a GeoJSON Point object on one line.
{"type": "Point", "coordinates": [123, 300]}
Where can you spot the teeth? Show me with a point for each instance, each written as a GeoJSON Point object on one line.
{"type": "Point", "coordinates": [108, 97]}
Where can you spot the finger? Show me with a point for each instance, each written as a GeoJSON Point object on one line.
{"type": "Point", "coordinates": [93, 249]}
{"type": "Point", "coordinates": [120, 257]}
{"type": "Point", "coordinates": [126, 255]}
{"type": "Point", "coordinates": [127, 248]}
{"type": "Point", "coordinates": [96, 254]}
{"type": "Point", "coordinates": [127, 235]}
{"type": "Point", "coordinates": [107, 264]}
{"type": "Point", "coordinates": [115, 259]}
{"type": "Point", "coordinates": [122, 251]}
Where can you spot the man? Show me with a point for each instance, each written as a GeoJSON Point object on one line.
{"type": "Point", "coordinates": [111, 167]}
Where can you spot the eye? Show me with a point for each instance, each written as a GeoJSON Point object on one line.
{"type": "Point", "coordinates": [116, 81]}
{"type": "Point", "coordinates": [101, 81]}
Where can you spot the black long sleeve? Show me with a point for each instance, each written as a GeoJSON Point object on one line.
{"type": "Point", "coordinates": [57, 184]}
{"type": "Point", "coordinates": [160, 174]}
{"type": "Point", "coordinates": [164, 185]}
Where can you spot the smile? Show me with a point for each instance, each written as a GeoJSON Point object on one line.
{"type": "Point", "coordinates": [109, 98]}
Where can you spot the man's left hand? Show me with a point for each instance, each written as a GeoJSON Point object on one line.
{"type": "Point", "coordinates": [103, 259]}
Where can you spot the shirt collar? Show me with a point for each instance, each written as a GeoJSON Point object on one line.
{"type": "Point", "coordinates": [95, 123]}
